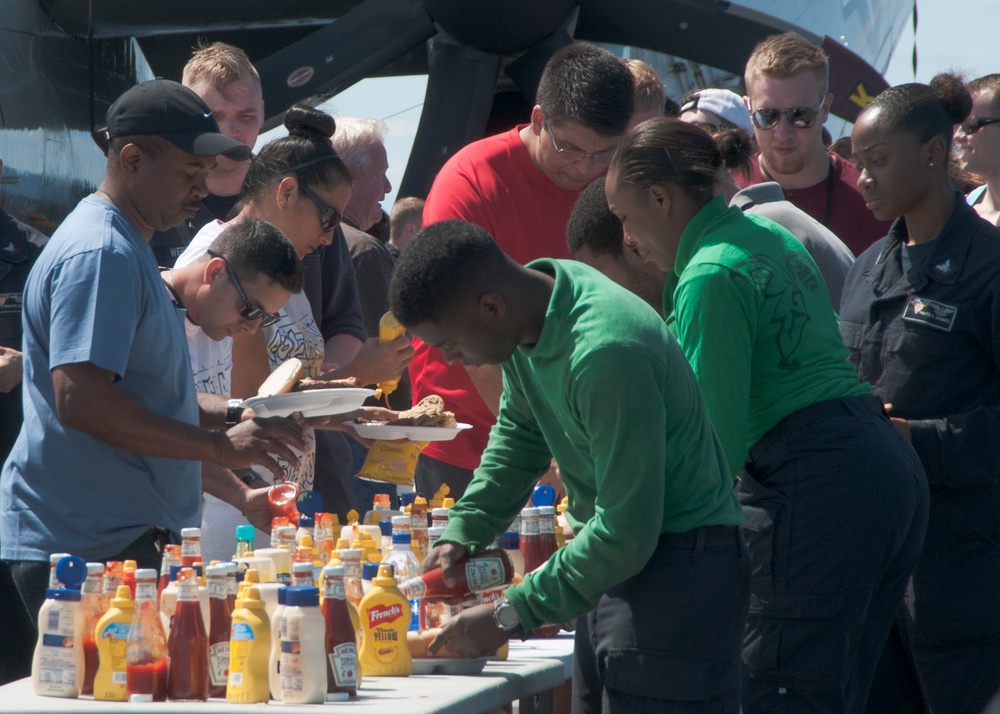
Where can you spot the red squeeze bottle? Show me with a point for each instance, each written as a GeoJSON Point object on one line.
{"type": "Point", "coordinates": [91, 609]}
{"type": "Point", "coordinates": [188, 644]}
{"type": "Point", "coordinates": [145, 649]}
{"type": "Point", "coordinates": [341, 642]}
{"type": "Point", "coordinates": [220, 620]}
{"type": "Point", "coordinates": [486, 570]}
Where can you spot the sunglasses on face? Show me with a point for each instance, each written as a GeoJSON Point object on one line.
{"type": "Point", "coordinates": [248, 311]}
{"type": "Point", "coordinates": [329, 217]}
{"type": "Point", "coordinates": [799, 117]}
{"type": "Point", "coordinates": [973, 125]}
{"type": "Point", "coordinates": [574, 154]}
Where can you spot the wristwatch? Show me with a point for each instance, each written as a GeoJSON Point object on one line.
{"type": "Point", "coordinates": [234, 411]}
{"type": "Point", "coordinates": [505, 616]}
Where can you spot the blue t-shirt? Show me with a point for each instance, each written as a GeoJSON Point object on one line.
{"type": "Point", "coordinates": [95, 295]}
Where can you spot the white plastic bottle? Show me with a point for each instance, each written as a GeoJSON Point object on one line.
{"type": "Point", "coordinates": [405, 566]}
{"type": "Point", "coordinates": [58, 664]}
{"type": "Point", "coordinates": [274, 656]}
{"type": "Point", "coordinates": [303, 648]}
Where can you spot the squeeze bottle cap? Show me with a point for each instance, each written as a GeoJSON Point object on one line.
{"type": "Point", "coordinates": [369, 571]}
{"type": "Point", "coordinates": [402, 538]}
{"type": "Point", "coordinates": [309, 503]}
{"type": "Point", "coordinates": [306, 521]}
{"type": "Point", "coordinates": [407, 499]}
{"type": "Point", "coordinates": [123, 598]}
{"type": "Point", "coordinates": [71, 571]}
{"type": "Point", "coordinates": [385, 526]}
{"type": "Point", "coordinates": [244, 532]}
{"type": "Point", "coordinates": [543, 496]}
{"type": "Point", "coordinates": [251, 599]}
{"type": "Point", "coordinates": [384, 578]}
{"type": "Point", "coordinates": [302, 597]}
{"type": "Point", "coordinates": [67, 594]}
{"type": "Point", "coordinates": [95, 568]}
{"type": "Point", "coordinates": [281, 595]}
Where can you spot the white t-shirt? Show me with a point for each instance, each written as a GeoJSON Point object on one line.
{"type": "Point", "coordinates": [294, 335]}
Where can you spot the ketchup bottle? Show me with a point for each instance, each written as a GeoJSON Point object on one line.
{"type": "Point", "coordinates": [341, 642]}
{"type": "Point", "coordinates": [146, 647]}
{"type": "Point", "coordinates": [190, 546]}
{"type": "Point", "coordinates": [91, 609]}
{"type": "Point", "coordinates": [547, 531]}
{"type": "Point", "coordinates": [188, 644]}
{"type": "Point", "coordinates": [530, 545]}
{"type": "Point", "coordinates": [486, 570]}
{"type": "Point", "coordinates": [218, 630]}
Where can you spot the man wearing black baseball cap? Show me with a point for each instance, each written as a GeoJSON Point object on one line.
{"type": "Point", "coordinates": [106, 465]}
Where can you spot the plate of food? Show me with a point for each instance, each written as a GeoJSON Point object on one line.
{"type": "Point", "coordinates": [276, 398]}
{"type": "Point", "coordinates": [427, 421]}
{"type": "Point", "coordinates": [448, 665]}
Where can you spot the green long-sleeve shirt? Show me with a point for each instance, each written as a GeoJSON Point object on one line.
{"type": "Point", "coordinates": [607, 391]}
{"type": "Point", "coordinates": [753, 316]}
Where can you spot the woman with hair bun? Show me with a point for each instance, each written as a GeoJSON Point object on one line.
{"type": "Point", "coordinates": [301, 185]}
{"type": "Point", "coordinates": [921, 317]}
{"type": "Point", "coordinates": [835, 499]}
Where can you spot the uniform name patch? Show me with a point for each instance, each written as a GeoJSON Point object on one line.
{"type": "Point", "coordinates": [931, 313]}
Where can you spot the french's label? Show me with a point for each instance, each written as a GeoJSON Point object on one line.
{"type": "Point", "coordinates": [384, 614]}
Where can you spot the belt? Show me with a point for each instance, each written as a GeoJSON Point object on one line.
{"type": "Point", "coordinates": [794, 422]}
{"type": "Point", "coordinates": [700, 537]}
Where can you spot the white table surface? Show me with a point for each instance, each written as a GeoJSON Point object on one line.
{"type": "Point", "coordinates": [533, 666]}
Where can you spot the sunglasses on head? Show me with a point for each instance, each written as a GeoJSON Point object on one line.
{"type": "Point", "coordinates": [799, 117]}
{"type": "Point", "coordinates": [329, 217]}
{"type": "Point", "coordinates": [973, 124]}
{"type": "Point", "coordinates": [248, 311]}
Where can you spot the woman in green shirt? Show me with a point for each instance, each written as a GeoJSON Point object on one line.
{"type": "Point", "coordinates": [836, 500]}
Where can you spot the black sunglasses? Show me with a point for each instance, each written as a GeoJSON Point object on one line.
{"type": "Point", "coordinates": [973, 125]}
{"type": "Point", "coordinates": [799, 117]}
{"type": "Point", "coordinates": [329, 217]}
{"type": "Point", "coordinates": [248, 311]}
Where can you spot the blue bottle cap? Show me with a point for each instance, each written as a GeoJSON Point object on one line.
{"type": "Point", "coordinates": [543, 496]}
{"type": "Point", "coordinates": [245, 532]}
{"type": "Point", "coordinates": [71, 571]}
{"type": "Point", "coordinates": [509, 540]}
{"type": "Point", "coordinates": [407, 499]}
{"type": "Point", "coordinates": [302, 597]}
{"type": "Point", "coordinates": [401, 538]}
{"type": "Point", "coordinates": [369, 570]}
{"type": "Point", "coordinates": [306, 521]}
{"type": "Point", "coordinates": [281, 595]}
{"type": "Point", "coordinates": [67, 594]}
{"type": "Point", "coordinates": [386, 527]}
{"type": "Point", "coordinates": [309, 503]}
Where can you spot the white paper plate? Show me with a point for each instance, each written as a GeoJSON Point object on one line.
{"type": "Point", "coordinates": [312, 402]}
{"type": "Point", "coordinates": [389, 432]}
{"type": "Point", "coordinates": [448, 665]}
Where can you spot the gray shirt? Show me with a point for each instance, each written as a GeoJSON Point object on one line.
{"type": "Point", "coordinates": [833, 258]}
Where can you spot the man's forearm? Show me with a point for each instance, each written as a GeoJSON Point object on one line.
{"type": "Point", "coordinates": [341, 349]}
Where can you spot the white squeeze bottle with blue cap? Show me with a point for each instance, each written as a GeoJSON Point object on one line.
{"type": "Point", "coordinates": [58, 665]}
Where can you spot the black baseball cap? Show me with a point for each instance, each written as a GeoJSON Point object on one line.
{"type": "Point", "coordinates": [170, 110]}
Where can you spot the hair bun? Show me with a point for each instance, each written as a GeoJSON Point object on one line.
{"type": "Point", "coordinates": [951, 91]}
{"type": "Point", "coordinates": [309, 123]}
{"type": "Point", "coordinates": [736, 147]}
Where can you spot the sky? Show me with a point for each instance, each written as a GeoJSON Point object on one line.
{"type": "Point", "coordinates": [951, 35]}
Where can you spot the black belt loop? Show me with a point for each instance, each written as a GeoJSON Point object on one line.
{"type": "Point", "coordinates": [699, 543]}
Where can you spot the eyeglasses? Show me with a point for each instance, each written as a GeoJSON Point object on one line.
{"type": "Point", "coordinates": [799, 117]}
{"type": "Point", "coordinates": [574, 154]}
{"type": "Point", "coordinates": [329, 217]}
{"type": "Point", "coordinates": [973, 125]}
{"type": "Point", "coordinates": [248, 311]}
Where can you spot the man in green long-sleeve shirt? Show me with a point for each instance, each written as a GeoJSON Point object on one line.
{"type": "Point", "coordinates": [657, 571]}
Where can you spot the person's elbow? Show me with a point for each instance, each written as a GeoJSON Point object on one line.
{"type": "Point", "coordinates": [76, 389]}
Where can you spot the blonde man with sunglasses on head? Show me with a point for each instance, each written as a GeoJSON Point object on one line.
{"type": "Point", "coordinates": [787, 80]}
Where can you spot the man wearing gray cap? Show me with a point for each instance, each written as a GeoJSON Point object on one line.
{"type": "Point", "coordinates": [106, 465]}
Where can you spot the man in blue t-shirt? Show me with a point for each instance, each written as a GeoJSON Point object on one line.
{"type": "Point", "coordinates": [107, 463]}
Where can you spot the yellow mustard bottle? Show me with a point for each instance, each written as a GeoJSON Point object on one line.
{"type": "Point", "coordinates": [110, 635]}
{"type": "Point", "coordinates": [249, 647]}
{"type": "Point", "coordinates": [389, 329]}
{"type": "Point", "coordinates": [385, 618]}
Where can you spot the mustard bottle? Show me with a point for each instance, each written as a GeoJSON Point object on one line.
{"type": "Point", "coordinates": [249, 647]}
{"type": "Point", "coordinates": [389, 329]}
{"type": "Point", "coordinates": [110, 635]}
{"type": "Point", "coordinates": [385, 618]}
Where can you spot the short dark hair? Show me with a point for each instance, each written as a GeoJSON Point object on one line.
{"type": "Point", "coordinates": [923, 110]}
{"type": "Point", "coordinates": [587, 85]}
{"type": "Point", "coordinates": [252, 246]}
{"type": "Point", "coordinates": [592, 224]}
{"type": "Point", "coordinates": [988, 83]}
{"type": "Point", "coordinates": [306, 153]}
{"type": "Point", "coordinates": [444, 264]}
{"type": "Point", "coordinates": [665, 150]}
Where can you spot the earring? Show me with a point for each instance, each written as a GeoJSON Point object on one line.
{"type": "Point", "coordinates": [930, 164]}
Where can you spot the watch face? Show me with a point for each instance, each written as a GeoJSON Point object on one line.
{"type": "Point", "coordinates": [507, 616]}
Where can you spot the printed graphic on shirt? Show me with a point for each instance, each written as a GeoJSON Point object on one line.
{"type": "Point", "coordinates": [10, 302]}
{"type": "Point", "coordinates": [781, 288]}
{"type": "Point", "coordinates": [931, 313]}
